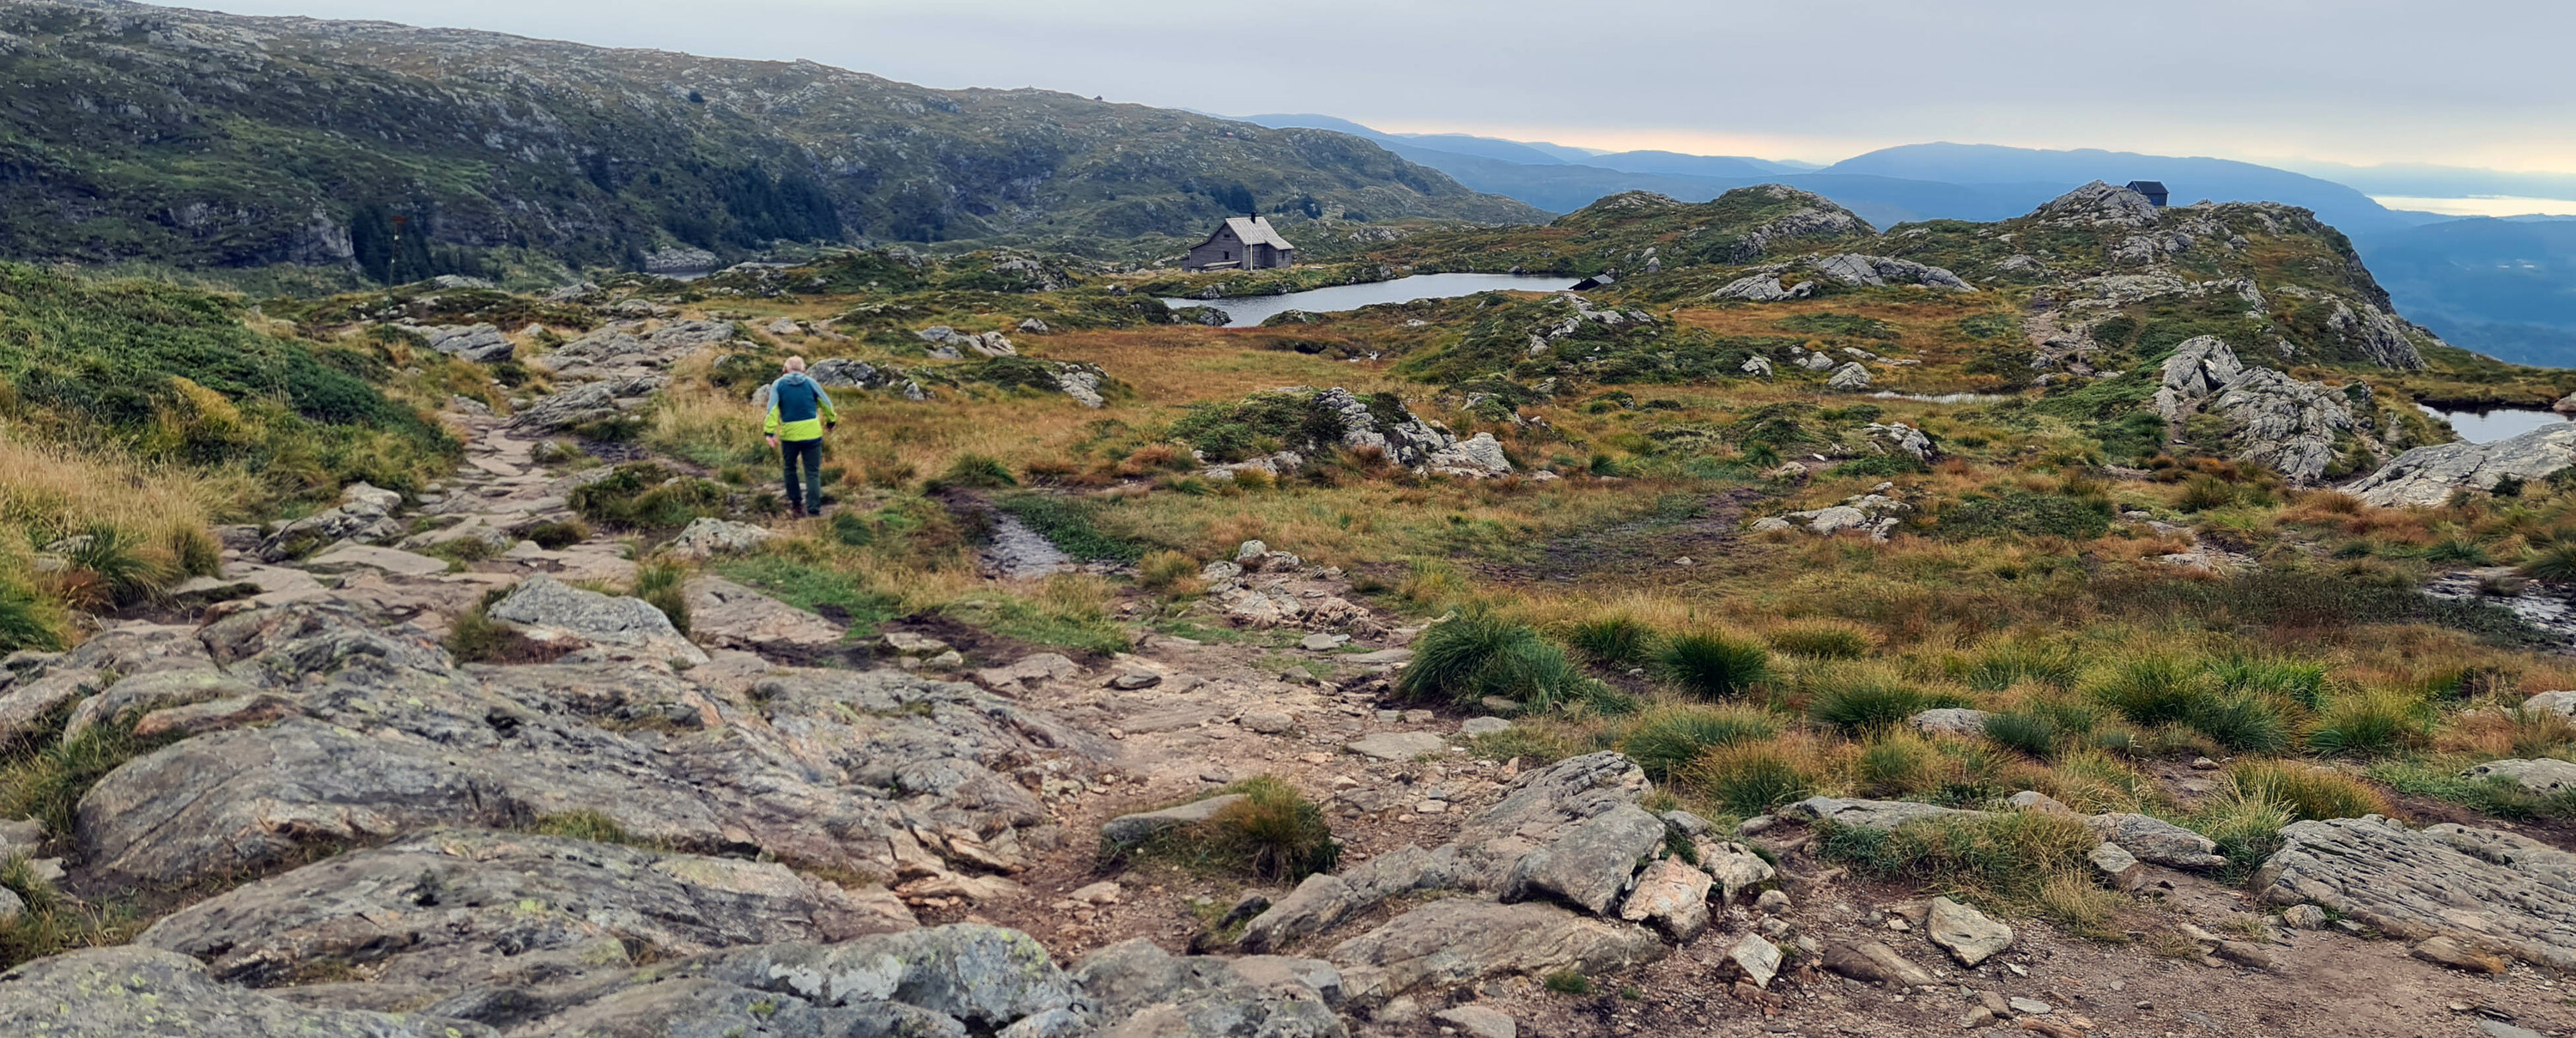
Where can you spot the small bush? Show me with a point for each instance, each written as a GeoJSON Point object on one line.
{"type": "Point", "coordinates": [1616, 640]}
{"type": "Point", "coordinates": [2371, 724]}
{"type": "Point", "coordinates": [583, 825]}
{"type": "Point", "coordinates": [1569, 982]}
{"type": "Point", "coordinates": [1749, 778]}
{"type": "Point", "coordinates": [1163, 571]}
{"type": "Point", "coordinates": [1711, 665]}
{"type": "Point", "coordinates": [661, 584]}
{"type": "Point", "coordinates": [2244, 723]}
{"type": "Point", "coordinates": [1867, 705]}
{"type": "Point", "coordinates": [2155, 689]}
{"type": "Point", "coordinates": [2013, 854]}
{"type": "Point", "coordinates": [44, 775]}
{"type": "Point", "coordinates": [2002, 665]}
{"type": "Point", "coordinates": [2310, 793]}
{"type": "Point", "coordinates": [2025, 732]}
{"type": "Point", "coordinates": [2246, 829]}
{"type": "Point", "coordinates": [1273, 835]}
{"type": "Point", "coordinates": [2202, 493]}
{"type": "Point", "coordinates": [1821, 642]}
{"type": "Point", "coordinates": [1667, 740]}
{"type": "Point", "coordinates": [980, 471]}
{"type": "Point", "coordinates": [557, 535]}
{"type": "Point", "coordinates": [1479, 653]}
{"type": "Point", "coordinates": [646, 496]}
{"type": "Point", "coordinates": [113, 556]}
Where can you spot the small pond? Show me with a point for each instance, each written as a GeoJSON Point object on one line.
{"type": "Point", "coordinates": [1252, 310]}
{"type": "Point", "coordinates": [2490, 426]}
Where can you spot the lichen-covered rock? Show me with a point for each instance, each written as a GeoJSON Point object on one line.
{"type": "Point", "coordinates": [125, 992]}
{"type": "Point", "coordinates": [365, 513]}
{"type": "Point", "coordinates": [481, 343]}
{"type": "Point", "coordinates": [2099, 204]}
{"type": "Point", "coordinates": [1852, 268]}
{"type": "Point", "coordinates": [514, 909]}
{"type": "Point", "coordinates": [2156, 840]}
{"type": "Point", "coordinates": [726, 615]}
{"type": "Point", "coordinates": [2426, 477]}
{"type": "Point", "coordinates": [2478, 887]}
{"type": "Point", "coordinates": [1672, 895]}
{"type": "Point", "coordinates": [587, 403]}
{"type": "Point", "coordinates": [1967, 934]}
{"type": "Point", "coordinates": [2294, 427]}
{"type": "Point", "coordinates": [1464, 940]}
{"type": "Point", "coordinates": [1868, 814]}
{"type": "Point", "coordinates": [1851, 376]}
{"type": "Point", "coordinates": [550, 610]}
{"type": "Point", "coordinates": [2547, 776]}
{"type": "Point", "coordinates": [706, 537]}
{"type": "Point", "coordinates": [1589, 864]}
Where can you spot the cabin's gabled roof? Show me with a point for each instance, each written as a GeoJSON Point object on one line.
{"type": "Point", "coordinates": [1255, 230]}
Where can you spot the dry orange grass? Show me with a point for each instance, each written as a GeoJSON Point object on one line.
{"type": "Point", "coordinates": [51, 492]}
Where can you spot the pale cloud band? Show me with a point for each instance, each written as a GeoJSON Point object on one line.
{"type": "Point", "coordinates": [2359, 81]}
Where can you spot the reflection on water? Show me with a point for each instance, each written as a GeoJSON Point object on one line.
{"type": "Point", "coordinates": [1254, 310]}
{"type": "Point", "coordinates": [2490, 426]}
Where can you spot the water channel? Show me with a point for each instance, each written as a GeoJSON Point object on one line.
{"type": "Point", "coordinates": [1249, 311]}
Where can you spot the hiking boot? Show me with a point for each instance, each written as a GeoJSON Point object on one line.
{"type": "Point", "coordinates": [795, 511]}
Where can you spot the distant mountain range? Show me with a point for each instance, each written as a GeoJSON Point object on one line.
{"type": "Point", "coordinates": [193, 139]}
{"type": "Point", "coordinates": [2502, 287]}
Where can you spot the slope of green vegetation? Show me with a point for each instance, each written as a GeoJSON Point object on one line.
{"type": "Point", "coordinates": [404, 154]}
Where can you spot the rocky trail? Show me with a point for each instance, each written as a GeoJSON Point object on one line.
{"type": "Point", "coordinates": [637, 832]}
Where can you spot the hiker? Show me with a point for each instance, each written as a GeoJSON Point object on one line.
{"type": "Point", "coordinates": [799, 414]}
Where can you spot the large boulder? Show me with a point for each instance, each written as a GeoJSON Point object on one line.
{"type": "Point", "coordinates": [481, 343]}
{"type": "Point", "coordinates": [881, 772]}
{"type": "Point", "coordinates": [1465, 940]}
{"type": "Point", "coordinates": [513, 910]}
{"type": "Point", "coordinates": [586, 403]}
{"type": "Point", "coordinates": [1589, 864]}
{"type": "Point", "coordinates": [551, 610]}
{"type": "Point", "coordinates": [1140, 990]}
{"type": "Point", "coordinates": [726, 615]}
{"type": "Point", "coordinates": [365, 513]}
{"type": "Point", "coordinates": [2155, 840]}
{"type": "Point", "coordinates": [125, 992]}
{"type": "Point", "coordinates": [2268, 417]}
{"type": "Point", "coordinates": [2426, 477]}
{"type": "Point", "coordinates": [2479, 887]}
{"type": "Point", "coordinates": [1868, 814]}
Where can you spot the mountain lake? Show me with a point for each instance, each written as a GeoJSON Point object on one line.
{"type": "Point", "coordinates": [2490, 426]}
{"type": "Point", "coordinates": [1249, 311]}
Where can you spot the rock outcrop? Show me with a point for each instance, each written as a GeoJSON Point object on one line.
{"type": "Point", "coordinates": [2292, 426]}
{"type": "Point", "coordinates": [2426, 477]}
{"type": "Point", "coordinates": [2479, 887]}
{"type": "Point", "coordinates": [116, 992]}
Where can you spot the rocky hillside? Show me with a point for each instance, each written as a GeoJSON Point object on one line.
{"type": "Point", "coordinates": [197, 139]}
{"type": "Point", "coordinates": [1759, 644]}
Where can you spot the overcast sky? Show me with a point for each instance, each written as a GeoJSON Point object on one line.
{"type": "Point", "coordinates": [2460, 82]}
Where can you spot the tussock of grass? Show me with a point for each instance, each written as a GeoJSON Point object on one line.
{"type": "Point", "coordinates": [44, 776]}
{"type": "Point", "coordinates": [662, 584]}
{"type": "Point", "coordinates": [979, 471]}
{"type": "Point", "coordinates": [1479, 653]}
{"type": "Point", "coordinates": [2310, 793]}
{"type": "Point", "coordinates": [2012, 855]}
{"type": "Point", "coordinates": [2371, 724]}
{"type": "Point", "coordinates": [1666, 740]}
{"type": "Point", "coordinates": [1822, 641]}
{"type": "Point", "coordinates": [1273, 835]}
{"type": "Point", "coordinates": [1711, 665]}
{"type": "Point", "coordinates": [1166, 572]}
{"type": "Point", "coordinates": [1615, 640]}
{"type": "Point", "coordinates": [1862, 704]}
{"type": "Point", "coordinates": [1750, 778]}
{"type": "Point", "coordinates": [645, 496]}
{"type": "Point", "coordinates": [587, 825]}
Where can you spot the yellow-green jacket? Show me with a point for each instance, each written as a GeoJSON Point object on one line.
{"type": "Point", "coordinates": [798, 408]}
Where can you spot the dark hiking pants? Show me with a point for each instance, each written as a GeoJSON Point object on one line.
{"type": "Point", "coordinates": [812, 451]}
